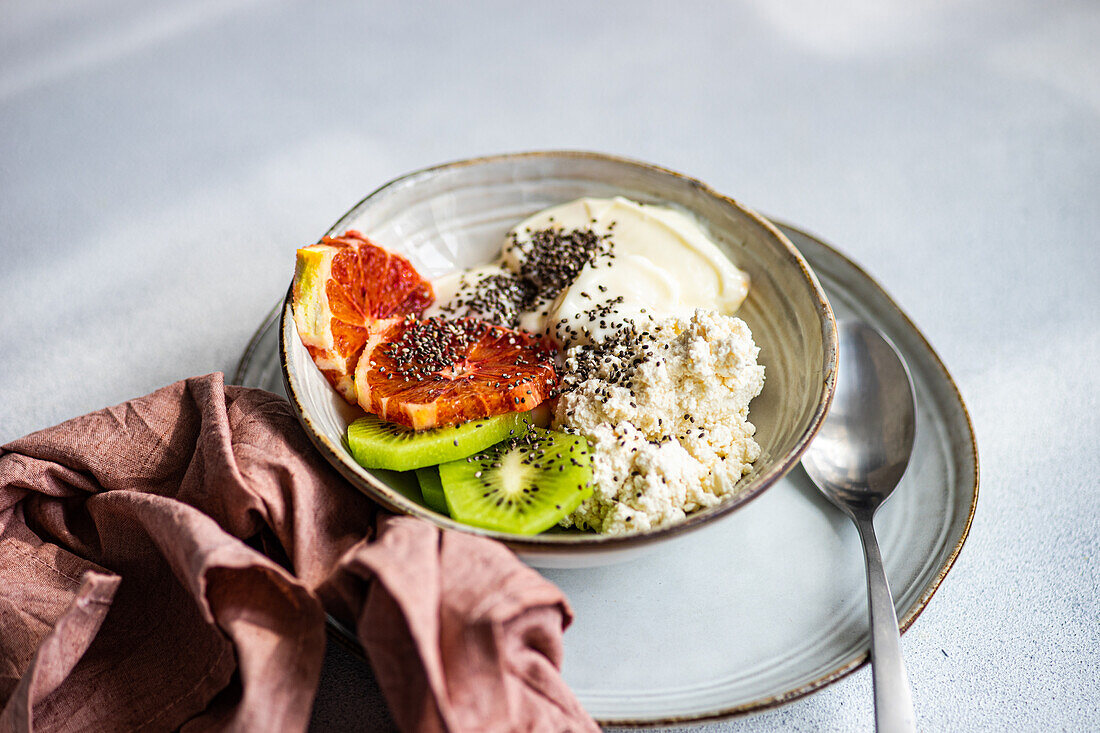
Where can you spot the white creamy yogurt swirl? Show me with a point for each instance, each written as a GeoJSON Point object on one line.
{"type": "Point", "coordinates": [659, 263]}
{"type": "Point", "coordinates": [662, 264]}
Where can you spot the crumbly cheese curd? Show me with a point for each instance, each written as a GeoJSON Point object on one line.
{"type": "Point", "coordinates": [669, 429]}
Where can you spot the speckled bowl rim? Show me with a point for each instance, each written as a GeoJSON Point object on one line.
{"type": "Point", "coordinates": [551, 544]}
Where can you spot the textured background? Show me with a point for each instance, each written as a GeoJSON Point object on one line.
{"type": "Point", "coordinates": [159, 163]}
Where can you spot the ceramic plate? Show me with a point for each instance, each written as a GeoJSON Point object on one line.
{"type": "Point", "coordinates": [767, 604]}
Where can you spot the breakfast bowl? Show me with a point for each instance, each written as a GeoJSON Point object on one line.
{"type": "Point", "coordinates": [456, 215]}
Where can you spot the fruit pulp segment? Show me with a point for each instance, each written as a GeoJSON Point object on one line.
{"type": "Point", "coordinates": [431, 488]}
{"type": "Point", "coordinates": [522, 486]}
{"type": "Point", "coordinates": [438, 372]}
{"type": "Point", "coordinates": [311, 312]}
{"type": "Point", "coordinates": [376, 443]}
{"type": "Point", "coordinates": [346, 289]}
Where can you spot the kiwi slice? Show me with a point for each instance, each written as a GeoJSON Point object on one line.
{"type": "Point", "coordinates": [377, 443]}
{"type": "Point", "coordinates": [431, 488]}
{"type": "Point", "coordinates": [523, 485]}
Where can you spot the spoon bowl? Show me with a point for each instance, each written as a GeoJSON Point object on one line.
{"type": "Point", "coordinates": [856, 460]}
{"type": "Point", "coordinates": [863, 447]}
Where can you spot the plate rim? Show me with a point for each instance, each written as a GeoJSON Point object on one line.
{"type": "Point", "coordinates": [348, 639]}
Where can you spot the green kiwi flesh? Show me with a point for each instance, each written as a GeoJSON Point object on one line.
{"type": "Point", "coordinates": [377, 443]}
{"type": "Point", "coordinates": [524, 485]}
{"type": "Point", "coordinates": [432, 489]}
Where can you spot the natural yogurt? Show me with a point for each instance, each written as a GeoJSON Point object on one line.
{"type": "Point", "coordinates": [656, 372]}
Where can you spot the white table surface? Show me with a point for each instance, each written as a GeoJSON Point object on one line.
{"type": "Point", "coordinates": [159, 163]}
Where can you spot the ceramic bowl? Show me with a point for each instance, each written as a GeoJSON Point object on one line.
{"type": "Point", "coordinates": [456, 215]}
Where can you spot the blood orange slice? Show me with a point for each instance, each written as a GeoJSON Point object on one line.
{"type": "Point", "coordinates": [437, 371]}
{"type": "Point", "coordinates": [345, 290]}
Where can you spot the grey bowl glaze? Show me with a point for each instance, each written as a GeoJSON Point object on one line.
{"type": "Point", "coordinates": [456, 215]}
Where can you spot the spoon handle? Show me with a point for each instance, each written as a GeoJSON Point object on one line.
{"type": "Point", "coordinates": [893, 700]}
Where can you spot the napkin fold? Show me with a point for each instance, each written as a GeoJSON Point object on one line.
{"type": "Point", "coordinates": [167, 563]}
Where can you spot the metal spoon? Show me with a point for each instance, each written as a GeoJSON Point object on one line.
{"type": "Point", "coordinates": [857, 459]}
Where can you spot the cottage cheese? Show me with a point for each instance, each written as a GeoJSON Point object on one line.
{"type": "Point", "coordinates": [674, 435]}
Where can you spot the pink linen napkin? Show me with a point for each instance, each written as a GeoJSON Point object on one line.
{"type": "Point", "coordinates": [167, 563]}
